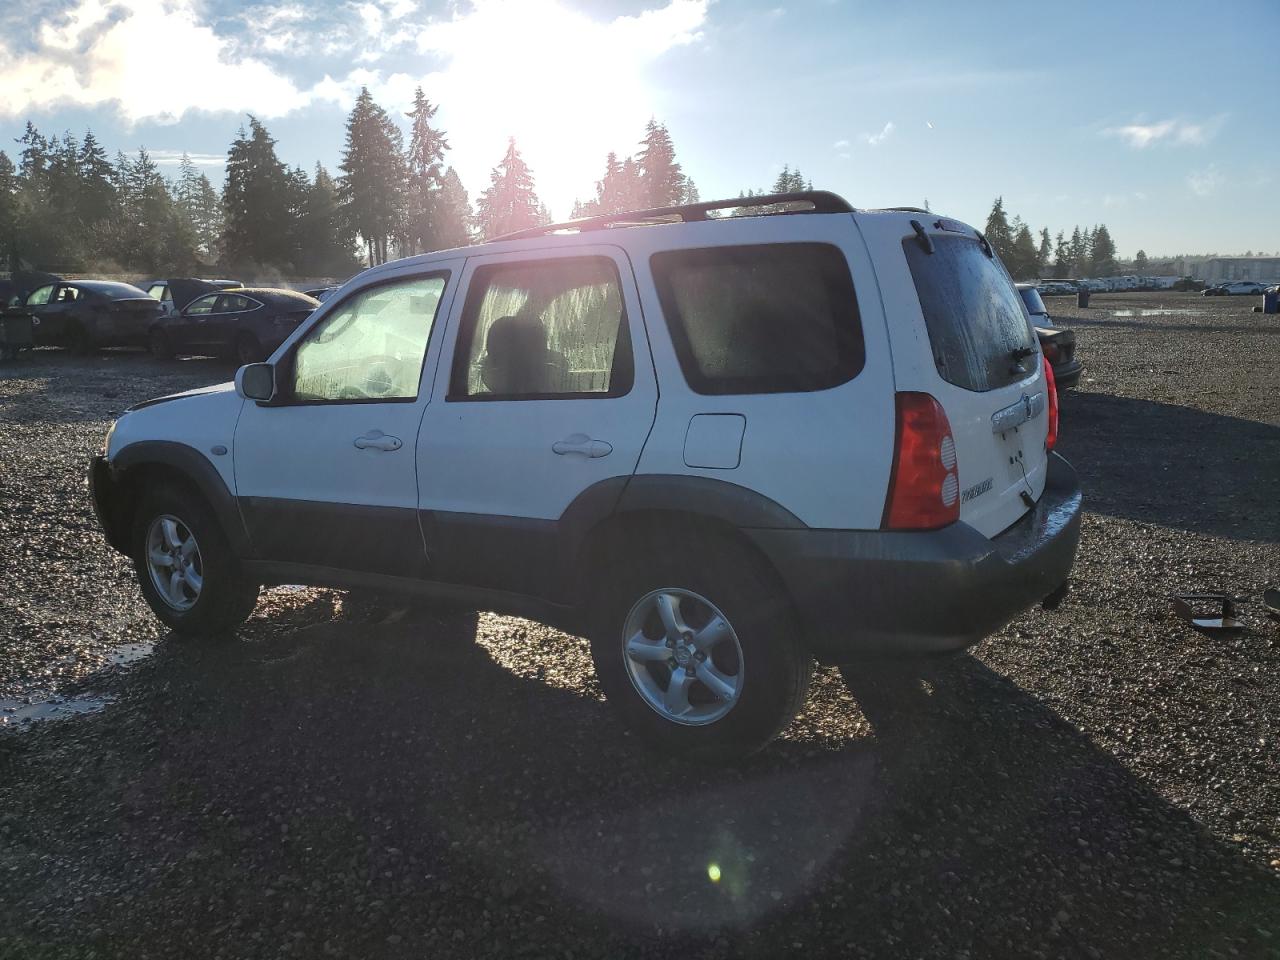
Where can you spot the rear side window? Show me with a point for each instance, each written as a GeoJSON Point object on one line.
{"type": "Point", "coordinates": [769, 318]}
{"type": "Point", "coordinates": [547, 329]}
{"type": "Point", "coordinates": [977, 325]}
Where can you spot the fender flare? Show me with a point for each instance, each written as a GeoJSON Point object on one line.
{"type": "Point", "coordinates": [195, 466]}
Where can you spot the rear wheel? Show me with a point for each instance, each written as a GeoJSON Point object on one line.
{"type": "Point", "coordinates": [158, 344]}
{"type": "Point", "coordinates": [247, 349]}
{"type": "Point", "coordinates": [698, 649]}
{"type": "Point", "coordinates": [78, 341]}
{"type": "Point", "coordinates": [187, 571]}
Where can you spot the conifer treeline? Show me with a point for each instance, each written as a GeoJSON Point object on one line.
{"type": "Point", "coordinates": [66, 206]}
{"type": "Point", "coordinates": [1086, 253]}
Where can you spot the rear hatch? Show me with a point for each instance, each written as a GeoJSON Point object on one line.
{"type": "Point", "coordinates": [983, 367]}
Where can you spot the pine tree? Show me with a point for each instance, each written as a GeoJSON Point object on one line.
{"type": "Point", "coordinates": [1044, 253]}
{"type": "Point", "coordinates": [1102, 252]}
{"type": "Point", "coordinates": [511, 202]}
{"type": "Point", "coordinates": [789, 181]}
{"type": "Point", "coordinates": [1024, 257]}
{"type": "Point", "coordinates": [998, 232]}
{"type": "Point", "coordinates": [97, 191]}
{"type": "Point", "coordinates": [257, 231]}
{"type": "Point", "coordinates": [1078, 251]}
{"type": "Point", "coordinates": [9, 236]}
{"type": "Point", "coordinates": [326, 245]}
{"type": "Point", "coordinates": [660, 176]}
{"type": "Point", "coordinates": [1061, 256]}
{"type": "Point", "coordinates": [454, 212]}
{"type": "Point", "coordinates": [1140, 263]}
{"type": "Point", "coordinates": [372, 184]}
{"type": "Point", "coordinates": [427, 147]}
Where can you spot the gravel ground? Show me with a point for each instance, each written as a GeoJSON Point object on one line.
{"type": "Point", "coordinates": [1096, 781]}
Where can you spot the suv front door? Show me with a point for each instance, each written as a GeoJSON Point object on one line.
{"type": "Point", "coordinates": [546, 390]}
{"type": "Point", "coordinates": [325, 472]}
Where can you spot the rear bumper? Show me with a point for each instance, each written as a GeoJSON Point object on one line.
{"type": "Point", "coordinates": [875, 593]}
{"type": "Point", "coordinates": [1067, 375]}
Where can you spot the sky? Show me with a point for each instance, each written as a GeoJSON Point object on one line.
{"type": "Point", "coordinates": [1161, 120]}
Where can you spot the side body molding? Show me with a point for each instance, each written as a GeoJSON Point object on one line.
{"type": "Point", "coordinates": [191, 464]}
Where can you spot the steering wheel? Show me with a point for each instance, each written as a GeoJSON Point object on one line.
{"type": "Point", "coordinates": [381, 375]}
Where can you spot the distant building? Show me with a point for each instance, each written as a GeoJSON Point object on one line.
{"type": "Point", "coordinates": [1219, 269]}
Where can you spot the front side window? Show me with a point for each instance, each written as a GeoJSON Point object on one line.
{"type": "Point", "coordinates": [371, 347]}
{"type": "Point", "coordinates": [233, 303]}
{"type": "Point", "coordinates": [548, 329]}
{"type": "Point", "coordinates": [40, 297]}
{"type": "Point", "coordinates": [977, 325]}
{"type": "Point", "coordinates": [769, 318]}
{"type": "Point", "coordinates": [201, 307]}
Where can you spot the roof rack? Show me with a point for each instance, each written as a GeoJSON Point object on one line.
{"type": "Point", "coordinates": [818, 201]}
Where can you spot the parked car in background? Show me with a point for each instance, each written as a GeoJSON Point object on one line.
{"type": "Point", "coordinates": [83, 315]}
{"type": "Point", "coordinates": [322, 293]}
{"type": "Point", "coordinates": [1057, 288]}
{"type": "Point", "coordinates": [1235, 288]}
{"type": "Point", "coordinates": [1058, 344]}
{"type": "Point", "coordinates": [1186, 284]}
{"type": "Point", "coordinates": [245, 324]}
{"type": "Point", "coordinates": [177, 293]}
{"type": "Point", "coordinates": [541, 471]}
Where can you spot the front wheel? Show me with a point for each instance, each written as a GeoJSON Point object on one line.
{"type": "Point", "coordinates": [187, 571]}
{"type": "Point", "coordinates": [699, 651]}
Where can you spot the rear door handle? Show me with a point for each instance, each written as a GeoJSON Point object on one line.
{"type": "Point", "coordinates": [580, 443]}
{"type": "Point", "coordinates": [377, 440]}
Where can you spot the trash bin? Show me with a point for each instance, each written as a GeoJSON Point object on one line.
{"type": "Point", "coordinates": [1271, 300]}
{"type": "Point", "coordinates": [1082, 296]}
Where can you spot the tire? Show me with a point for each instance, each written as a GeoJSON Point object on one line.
{"type": "Point", "coordinates": [158, 344]}
{"type": "Point", "coordinates": [78, 341]}
{"type": "Point", "coordinates": [247, 349]}
{"type": "Point", "coordinates": [759, 663]}
{"type": "Point", "coordinates": [223, 598]}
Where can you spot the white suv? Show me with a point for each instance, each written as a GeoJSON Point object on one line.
{"type": "Point", "coordinates": [721, 446]}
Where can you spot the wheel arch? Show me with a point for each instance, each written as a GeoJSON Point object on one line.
{"type": "Point", "coordinates": [644, 507]}
{"type": "Point", "coordinates": [141, 465]}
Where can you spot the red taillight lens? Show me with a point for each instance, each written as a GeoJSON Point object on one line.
{"type": "Point", "coordinates": [1051, 438]}
{"type": "Point", "coordinates": [924, 487]}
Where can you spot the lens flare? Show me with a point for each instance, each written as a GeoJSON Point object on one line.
{"type": "Point", "coordinates": [713, 872]}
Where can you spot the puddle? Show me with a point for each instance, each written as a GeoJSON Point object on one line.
{"type": "Point", "coordinates": [17, 713]}
{"type": "Point", "coordinates": [1155, 313]}
{"type": "Point", "coordinates": [130, 653]}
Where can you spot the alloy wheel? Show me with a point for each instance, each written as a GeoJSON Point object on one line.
{"type": "Point", "coordinates": [174, 562]}
{"type": "Point", "coordinates": [683, 656]}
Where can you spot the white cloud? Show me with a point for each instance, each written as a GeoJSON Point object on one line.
{"type": "Point", "coordinates": [875, 139]}
{"type": "Point", "coordinates": [173, 158]}
{"type": "Point", "coordinates": [840, 145]}
{"type": "Point", "coordinates": [1183, 132]}
{"type": "Point", "coordinates": [1205, 182]}
{"type": "Point", "coordinates": [106, 52]}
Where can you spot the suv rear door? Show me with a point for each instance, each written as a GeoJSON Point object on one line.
{"type": "Point", "coordinates": [546, 390]}
{"type": "Point", "coordinates": [961, 333]}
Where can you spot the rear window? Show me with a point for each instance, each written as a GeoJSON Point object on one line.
{"type": "Point", "coordinates": [977, 325]}
{"type": "Point", "coordinates": [768, 318]}
{"type": "Point", "coordinates": [1031, 297]}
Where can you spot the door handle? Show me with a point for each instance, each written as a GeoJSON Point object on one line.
{"type": "Point", "coordinates": [582, 444]}
{"type": "Point", "coordinates": [377, 440]}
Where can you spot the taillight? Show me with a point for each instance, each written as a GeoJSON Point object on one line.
{"type": "Point", "coordinates": [1051, 438]}
{"type": "Point", "coordinates": [924, 487]}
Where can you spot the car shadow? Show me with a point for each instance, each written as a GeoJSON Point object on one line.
{"type": "Point", "coordinates": [1158, 325]}
{"type": "Point", "coordinates": [1174, 466]}
{"type": "Point", "coordinates": [358, 779]}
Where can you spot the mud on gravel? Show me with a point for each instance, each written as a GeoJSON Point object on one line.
{"type": "Point", "coordinates": [352, 780]}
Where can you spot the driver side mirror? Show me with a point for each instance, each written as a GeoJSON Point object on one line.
{"type": "Point", "coordinates": [256, 381]}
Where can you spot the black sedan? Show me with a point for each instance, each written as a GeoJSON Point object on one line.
{"type": "Point", "coordinates": [1057, 343]}
{"type": "Point", "coordinates": [244, 325]}
{"type": "Point", "coordinates": [83, 315]}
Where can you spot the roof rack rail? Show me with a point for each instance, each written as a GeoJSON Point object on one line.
{"type": "Point", "coordinates": [819, 201]}
{"type": "Point", "coordinates": [906, 210]}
